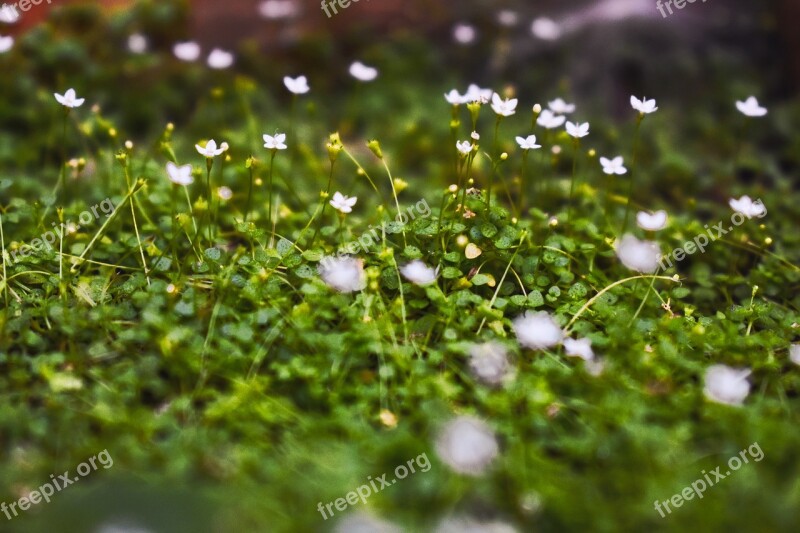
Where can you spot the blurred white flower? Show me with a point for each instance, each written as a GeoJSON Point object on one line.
{"type": "Point", "coordinates": [595, 367]}
{"type": "Point", "coordinates": [505, 107]}
{"type": "Point", "coordinates": [210, 150]}
{"type": "Point", "coordinates": [794, 353]}
{"type": "Point", "coordinates": [546, 29]}
{"type": "Point", "coordinates": [641, 256]}
{"type": "Point", "coordinates": [548, 120]}
{"type": "Point", "coordinates": [652, 221]}
{"type": "Point", "coordinates": [225, 193]}
{"type": "Point", "coordinates": [489, 362]}
{"type": "Point", "coordinates": [578, 130]}
{"type": "Point", "coordinates": [507, 18]}
{"type": "Point", "coordinates": [528, 143]}
{"type": "Point", "coordinates": [277, 9]}
{"type": "Point", "coordinates": [470, 525]}
{"type": "Point", "coordinates": [186, 51]}
{"type": "Point", "coordinates": [220, 59]}
{"type": "Point", "coordinates": [747, 207]}
{"type": "Point", "coordinates": [363, 72]}
{"type": "Point", "coordinates": [8, 14]}
{"type": "Point", "coordinates": [455, 98]}
{"type": "Point", "coordinates": [121, 527]}
{"type": "Point", "coordinates": [298, 85]}
{"type": "Point", "coordinates": [477, 94]}
{"type": "Point", "coordinates": [614, 166]}
{"type": "Point", "coordinates": [343, 203]}
{"type": "Point", "coordinates": [475, 136]}
{"type": "Point", "coordinates": [6, 44]}
{"type": "Point", "coordinates": [275, 142]}
{"type": "Point", "coordinates": [467, 445]}
{"type": "Point", "coordinates": [419, 273]}
{"type": "Point", "coordinates": [727, 385]}
{"type": "Point", "coordinates": [579, 348]}
{"type": "Point", "coordinates": [464, 33]}
{"type": "Point", "coordinates": [643, 106]}
{"type": "Point", "coordinates": [560, 107]}
{"type": "Point", "coordinates": [751, 108]}
{"type": "Point", "coordinates": [465, 147]}
{"type": "Point", "coordinates": [69, 99]}
{"type": "Point", "coordinates": [137, 43]}
{"type": "Point", "coordinates": [344, 274]}
{"type": "Point", "coordinates": [362, 522]}
{"type": "Point", "coordinates": [537, 331]}
{"type": "Point", "coordinates": [180, 175]}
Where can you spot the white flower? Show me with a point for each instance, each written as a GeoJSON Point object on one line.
{"type": "Point", "coordinates": [180, 175]}
{"type": "Point", "coordinates": [419, 273]}
{"type": "Point", "coordinates": [362, 72]}
{"type": "Point", "coordinates": [727, 385]}
{"type": "Point", "coordinates": [641, 256]}
{"type": "Point", "coordinates": [186, 51]}
{"type": "Point", "coordinates": [794, 353]}
{"type": "Point", "coordinates": [454, 98]}
{"type": "Point", "coordinates": [275, 142]}
{"type": "Point", "coordinates": [578, 130]}
{"type": "Point", "coordinates": [614, 166]}
{"type": "Point", "coordinates": [537, 331]}
{"type": "Point", "coordinates": [464, 33]}
{"type": "Point", "coordinates": [751, 108]}
{"type": "Point", "coordinates": [69, 99]}
{"type": "Point", "coordinates": [210, 149]}
{"type": "Point", "coordinates": [528, 143]}
{"type": "Point", "coordinates": [137, 43]}
{"type": "Point", "coordinates": [121, 527]}
{"type": "Point", "coordinates": [225, 193]}
{"type": "Point", "coordinates": [277, 9]}
{"type": "Point", "coordinates": [560, 107]}
{"type": "Point", "coordinates": [489, 362]}
{"type": "Point", "coordinates": [467, 445]}
{"type": "Point", "coordinates": [298, 85]}
{"type": "Point", "coordinates": [505, 107]}
{"type": "Point", "coordinates": [643, 106]}
{"type": "Point", "coordinates": [475, 136]}
{"type": "Point", "coordinates": [344, 274]}
{"type": "Point", "coordinates": [470, 525]}
{"type": "Point", "coordinates": [363, 522]}
{"type": "Point", "coordinates": [546, 29]}
{"type": "Point", "coordinates": [8, 14]}
{"type": "Point", "coordinates": [748, 207]}
{"type": "Point", "coordinates": [549, 120]}
{"type": "Point", "coordinates": [465, 147]}
{"type": "Point", "coordinates": [507, 18]}
{"type": "Point", "coordinates": [595, 367]}
{"type": "Point", "coordinates": [476, 94]}
{"type": "Point", "coordinates": [220, 59]}
{"type": "Point", "coordinates": [652, 221]}
{"type": "Point", "coordinates": [579, 348]}
{"type": "Point", "coordinates": [6, 43]}
{"type": "Point", "coordinates": [343, 203]}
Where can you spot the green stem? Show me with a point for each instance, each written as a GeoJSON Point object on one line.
{"type": "Point", "coordinates": [269, 207]}
{"type": "Point", "coordinates": [633, 168]}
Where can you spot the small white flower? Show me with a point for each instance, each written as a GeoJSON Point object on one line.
{"type": "Point", "coordinates": [467, 445]}
{"type": "Point", "coordinates": [548, 120]}
{"type": "Point", "coordinates": [537, 331]}
{"type": "Point", "coordinates": [794, 353]}
{"type": "Point", "coordinates": [225, 193]}
{"type": "Point", "coordinates": [210, 150]}
{"type": "Point", "coordinates": [614, 166]}
{"type": "Point", "coordinates": [298, 85]}
{"type": "Point", "coordinates": [505, 107]}
{"type": "Point", "coordinates": [344, 274]}
{"type": "Point", "coordinates": [275, 142]}
{"type": "Point", "coordinates": [579, 348]}
{"type": "Point", "coordinates": [464, 147]}
{"type": "Point", "coordinates": [343, 203]}
{"type": "Point", "coordinates": [475, 136]}
{"type": "Point", "coordinates": [751, 108]}
{"type": "Point", "coordinates": [578, 130]}
{"type": "Point", "coordinates": [560, 107]}
{"type": "Point", "coordinates": [363, 522]}
{"type": "Point", "coordinates": [69, 99]}
{"type": "Point", "coordinates": [137, 43]}
{"type": "Point", "coordinates": [455, 98]}
{"type": "Point", "coordinates": [595, 367]}
{"type": "Point", "coordinates": [6, 44]}
{"type": "Point", "coordinates": [507, 18]}
{"type": "Point", "coordinates": [419, 273]}
{"type": "Point", "coordinates": [121, 527]}
{"type": "Point", "coordinates": [727, 385]}
{"type": "Point", "coordinates": [464, 33]}
{"type": "Point", "coordinates": [363, 72]}
{"type": "Point", "coordinates": [528, 143]}
{"type": "Point", "coordinates": [277, 9]}
{"type": "Point", "coordinates": [220, 59]}
{"type": "Point", "coordinates": [461, 524]}
{"type": "Point", "coordinates": [643, 106]}
{"type": "Point", "coordinates": [489, 362]}
{"type": "Point", "coordinates": [8, 14]}
{"type": "Point", "coordinates": [186, 51]}
{"type": "Point", "coordinates": [180, 175]}
{"type": "Point", "coordinates": [641, 256]}
{"type": "Point", "coordinates": [652, 221]}
{"type": "Point", "coordinates": [546, 29]}
{"type": "Point", "coordinates": [477, 94]}
{"type": "Point", "coordinates": [748, 207]}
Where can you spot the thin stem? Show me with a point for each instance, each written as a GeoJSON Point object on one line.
{"type": "Point", "coordinates": [394, 193]}
{"type": "Point", "coordinates": [633, 168]}
{"type": "Point", "coordinates": [63, 178]}
{"type": "Point", "coordinates": [575, 144]}
{"type": "Point", "coordinates": [249, 192]}
{"type": "Point", "coordinates": [324, 204]}
{"type": "Point", "coordinates": [269, 207]}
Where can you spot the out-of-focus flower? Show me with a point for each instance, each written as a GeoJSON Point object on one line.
{"type": "Point", "coordinates": [277, 9]}
{"type": "Point", "coordinates": [560, 107]}
{"type": "Point", "coordinates": [137, 43]}
{"type": "Point", "coordinates": [475, 136]}
{"type": "Point", "coordinates": [614, 166]}
{"type": "Point", "coordinates": [69, 99]}
{"type": "Point", "coordinates": [528, 143]}
{"type": "Point", "coordinates": [751, 108]}
{"type": "Point", "coordinates": [342, 203]}
{"type": "Point", "coordinates": [362, 522]}
{"type": "Point", "coordinates": [180, 175]}
{"type": "Point", "coordinates": [8, 14]}
{"type": "Point", "coordinates": [546, 29]}
{"type": "Point", "coordinates": [548, 120]}
{"type": "Point", "coordinates": [419, 273]}
{"type": "Point", "coordinates": [643, 106]}
{"type": "Point", "coordinates": [579, 348]}
{"type": "Point", "coordinates": [747, 207]}
{"type": "Point", "coordinates": [641, 256]}
{"type": "Point", "coordinates": [504, 108]}
{"type": "Point", "coordinates": [275, 142]}
{"type": "Point", "coordinates": [298, 85]}
{"type": "Point", "coordinates": [794, 353]}
{"type": "Point", "coordinates": [578, 130]}
{"type": "Point", "coordinates": [470, 525]}
{"type": "Point", "coordinates": [727, 385]}
{"type": "Point", "coordinates": [455, 98]}
{"type": "Point", "coordinates": [507, 18]}
{"type": "Point", "coordinates": [6, 44]}
{"type": "Point", "coordinates": [652, 221]}
{"type": "Point", "coordinates": [344, 274]}
{"type": "Point", "coordinates": [467, 445]}
{"type": "Point", "coordinates": [464, 147]}
{"type": "Point", "coordinates": [537, 331]}
{"type": "Point", "coordinates": [220, 59]}
{"type": "Point", "coordinates": [363, 72]}
{"type": "Point", "coordinates": [186, 51]}
{"type": "Point", "coordinates": [477, 94]}
{"type": "Point", "coordinates": [489, 362]}
{"type": "Point", "coordinates": [210, 149]}
{"type": "Point", "coordinates": [464, 33]}
{"type": "Point", "coordinates": [225, 193]}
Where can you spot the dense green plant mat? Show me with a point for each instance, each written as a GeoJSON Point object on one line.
{"type": "Point", "coordinates": [236, 390]}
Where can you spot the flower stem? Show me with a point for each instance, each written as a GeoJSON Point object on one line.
{"type": "Point", "coordinates": [575, 144]}
{"type": "Point", "coordinates": [633, 168]}
{"type": "Point", "coordinates": [269, 207]}
{"type": "Point", "coordinates": [249, 195]}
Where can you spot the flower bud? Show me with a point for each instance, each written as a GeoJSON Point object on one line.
{"type": "Point", "coordinates": [375, 148]}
